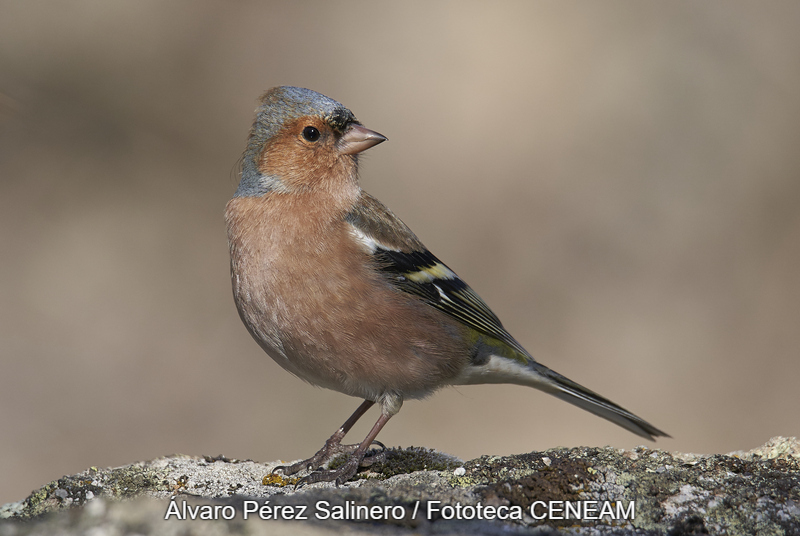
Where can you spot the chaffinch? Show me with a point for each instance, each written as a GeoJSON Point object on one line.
{"type": "Point", "coordinates": [340, 292]}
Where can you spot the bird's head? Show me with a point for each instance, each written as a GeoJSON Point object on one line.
{"type": "Point", "coordinates": [301, 140]}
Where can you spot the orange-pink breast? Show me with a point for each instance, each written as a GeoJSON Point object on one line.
{"type": "Point", "coordinates": [308, 294]}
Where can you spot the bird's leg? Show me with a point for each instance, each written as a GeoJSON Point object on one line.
{"type": "Point", "coordinates": [332, 446]}
{"type": "Point", "coordinates": [346, 471]}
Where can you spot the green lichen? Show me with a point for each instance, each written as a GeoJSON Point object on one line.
{"type": "Point", "coordinates": [398, 461]}
{"type": "Point", "coordinates": [72, 491]}
{"type": "Point", "coordinates": [280, 481]}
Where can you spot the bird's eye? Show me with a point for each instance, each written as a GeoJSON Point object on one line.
{"type": "Point", "coordinates": [311, 133]}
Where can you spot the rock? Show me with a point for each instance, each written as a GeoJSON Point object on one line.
{"type": "Point", "coordinates": [577, 491]}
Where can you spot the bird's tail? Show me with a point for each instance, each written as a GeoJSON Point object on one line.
{"type": "Point", "coordinates": [574, 393]}
{"type": "Point", "coordinates": [532, 374]}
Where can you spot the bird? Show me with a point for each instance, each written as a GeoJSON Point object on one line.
{"type": "Point", "coordinates": [342, 294]}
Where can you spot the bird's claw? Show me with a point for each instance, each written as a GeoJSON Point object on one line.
{"type": "Point", "coordinates": [319, 459]}
{"type": "Point", "coordinates": [340, 475]}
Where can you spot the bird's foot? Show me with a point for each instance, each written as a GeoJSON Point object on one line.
{"type": "Point", "coordinates": [346, 471]}
{"type": "Point", "coordinates": [339, 475]}
{"type": "Point", "coordinates": [316, 461]}
{"type": "Point", "coordinates": [373, 457]}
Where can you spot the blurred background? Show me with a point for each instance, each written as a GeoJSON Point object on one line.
{"type": "Point", "coordinates": [620, 181]}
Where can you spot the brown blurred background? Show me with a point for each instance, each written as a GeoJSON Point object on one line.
{"type": "Point", "coordinates": [620, 181]}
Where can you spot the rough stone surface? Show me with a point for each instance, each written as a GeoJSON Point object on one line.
{"type": "Point", "coordinates": [756, 492]}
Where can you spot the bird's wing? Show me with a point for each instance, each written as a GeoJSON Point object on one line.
{"type": "Point", "coordinates": [410, 267]}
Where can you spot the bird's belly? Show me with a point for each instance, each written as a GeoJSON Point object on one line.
{"type": "Point", "coordinates": [348, 333]}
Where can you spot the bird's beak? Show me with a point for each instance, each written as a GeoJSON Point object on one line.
{"type": "Point", "coordinates": [357, 138]}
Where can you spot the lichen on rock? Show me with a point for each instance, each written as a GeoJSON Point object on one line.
{"type": "Point", "coordinates": [423, 491]}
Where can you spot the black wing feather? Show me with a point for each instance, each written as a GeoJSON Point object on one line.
{"type": "Point", "coordinates": [450, 295]}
